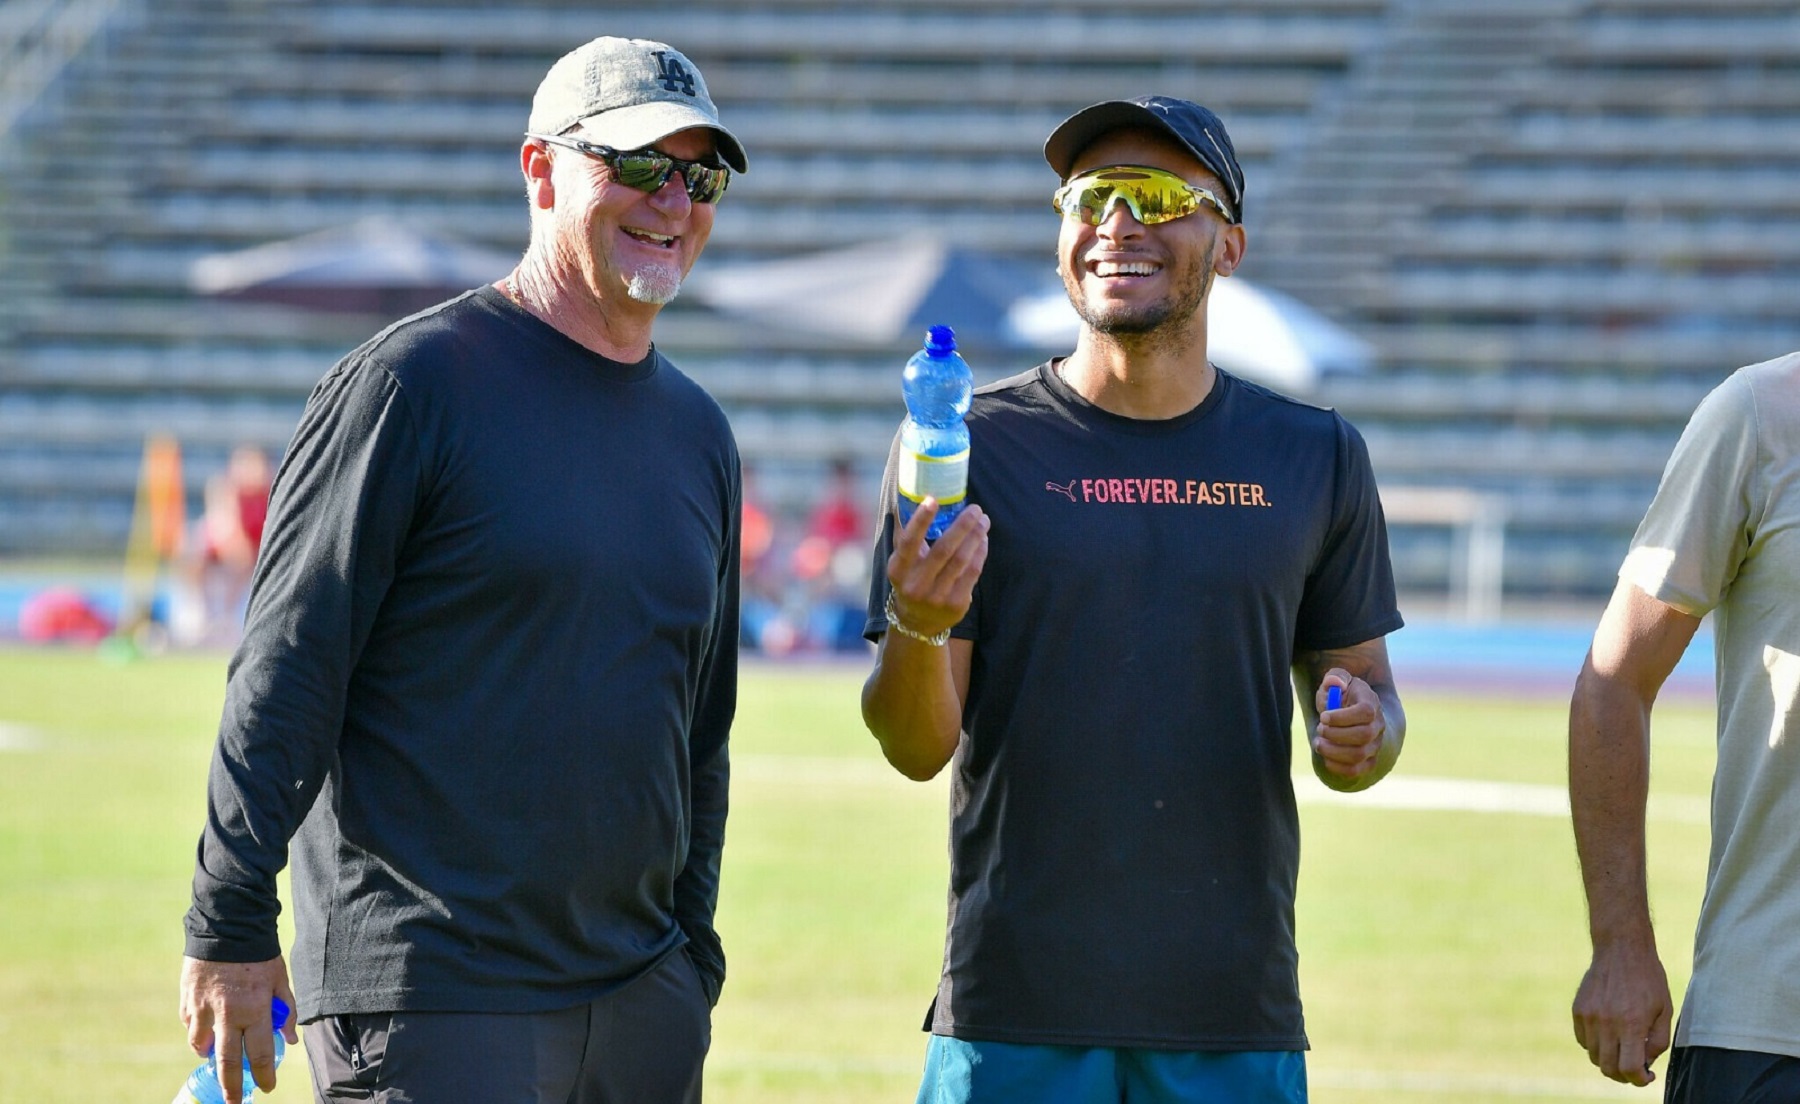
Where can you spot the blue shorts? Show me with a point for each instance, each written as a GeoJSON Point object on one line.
{"type": "Point", "coordinates": [959, 1071]}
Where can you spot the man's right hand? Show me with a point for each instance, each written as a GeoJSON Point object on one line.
{"type": "Point", "coordinates": [913, 699]}
{"type": "Point", "coordinates": [934, 583]}
{"type": "Point", "coordinates": [226, 1005]}
{"type": "Point", "coordinates": [1623, 1012]}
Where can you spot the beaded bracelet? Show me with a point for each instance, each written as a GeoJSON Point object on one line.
{"type": "Point", "coordinates": [893, 620]}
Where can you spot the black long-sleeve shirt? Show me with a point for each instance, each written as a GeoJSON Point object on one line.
{"type": "Point", "coordinates": [487, 677]}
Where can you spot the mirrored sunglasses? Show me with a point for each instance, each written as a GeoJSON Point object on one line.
{"type": "Point", "coordinates": [647, 170]}
{"type": "Point", "coordinates": [1152, 195]}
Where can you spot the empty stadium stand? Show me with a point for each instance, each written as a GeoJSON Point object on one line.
{"type": "Point", "coordinates": [1558, 221]}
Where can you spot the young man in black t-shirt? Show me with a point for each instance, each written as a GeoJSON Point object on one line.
{"type": "Point", "coordinates": [1106, 644]}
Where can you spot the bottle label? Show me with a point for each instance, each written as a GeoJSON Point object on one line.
{"type": "Point", "coordinates": [945, 478]}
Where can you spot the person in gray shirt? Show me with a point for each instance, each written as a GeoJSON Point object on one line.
{"type": "Point", "coordinates": [1721, 537]}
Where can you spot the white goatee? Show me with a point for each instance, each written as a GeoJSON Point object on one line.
{"type": "Point", "coordinates": [654, 284]}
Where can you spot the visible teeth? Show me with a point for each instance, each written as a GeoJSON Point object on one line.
{"type": "Point", "coordinates": [1134, 268]}
{"type": "Point", "coordinates": [655, 239]}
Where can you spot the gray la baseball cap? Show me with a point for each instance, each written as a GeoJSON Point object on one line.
{"type": "Point", "coordinates": [631, 92]}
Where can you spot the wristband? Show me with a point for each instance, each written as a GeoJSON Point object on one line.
{"type": "Point", "coordinates": [893, 620]}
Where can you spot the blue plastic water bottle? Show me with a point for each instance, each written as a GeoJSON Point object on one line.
{"type": "Point", "coordinates": [202, 1086]}
{"type": "Point", "coordinates": [934, 442]}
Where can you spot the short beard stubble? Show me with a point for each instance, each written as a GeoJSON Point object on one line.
{"type": "Point", "coordinates": [1180, 306]}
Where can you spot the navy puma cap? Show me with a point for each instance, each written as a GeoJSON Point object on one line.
{"type": "Point", "coordinates": [1193, 126]}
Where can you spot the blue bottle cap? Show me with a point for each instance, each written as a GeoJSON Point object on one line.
{"type": "Point", "coordinates": [278, 1012]}
{"type": "Point", "coordinates": [940, 340]}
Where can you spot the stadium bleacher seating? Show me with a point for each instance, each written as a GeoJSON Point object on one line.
{"type": "Point", "coordinates": [1558, 221]}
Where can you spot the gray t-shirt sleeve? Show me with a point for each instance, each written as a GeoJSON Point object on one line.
{"type": "Point", "coordinates": [1697, 530]}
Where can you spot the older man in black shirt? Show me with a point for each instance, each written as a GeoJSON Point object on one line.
{"type": "Point", "coordinates": [489, 664]}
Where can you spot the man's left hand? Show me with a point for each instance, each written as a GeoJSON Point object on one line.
{"type": "Point", "coordinates": [1348, 739]}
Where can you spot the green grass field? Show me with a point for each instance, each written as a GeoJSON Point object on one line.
{"type": "Point", "coordinates": [1439, 948]}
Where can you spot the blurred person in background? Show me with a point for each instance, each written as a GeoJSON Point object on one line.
{"type": "Point", "coordinates": [837, 519]}
{"type": "Point", "coordinates": [490, 662]}
{"type": "Point", "coordinates": [1722, 536]}
{"type": "Point", "coordinates": [831, 565]}
{"type": "Point", "coordinates": [762, 580]}
{"type": "Point", "coordinates": [1107, 645]}
{"type": "Point", "coordinates": [214, 571]}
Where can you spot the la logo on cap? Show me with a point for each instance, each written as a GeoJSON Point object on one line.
{"type": "Point", "coordinates": [672, 73]}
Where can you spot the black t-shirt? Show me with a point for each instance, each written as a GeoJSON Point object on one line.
{"type": "Point", "coordinates": [1124, 841]}
{"type": "Point", "coordinates": [491, 658]}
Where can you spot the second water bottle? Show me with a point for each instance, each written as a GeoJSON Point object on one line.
{"type": "Point", "coordinates": [202, 1086]}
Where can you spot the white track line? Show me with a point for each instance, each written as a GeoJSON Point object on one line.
{"type": "Point", "coordinates": [1401, 791]}
{"type": "Point", "coordinates": [1437, 1086]}
{"type": "Point", "coordinates": [1474, 796]}
{"type": "Point", "coordinates": [18, 737]}
{"type": "Point", "coordinates": [1460, 1086]}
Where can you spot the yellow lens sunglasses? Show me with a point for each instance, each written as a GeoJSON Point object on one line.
{"type": "Point", "coordinates": [1152, 195]}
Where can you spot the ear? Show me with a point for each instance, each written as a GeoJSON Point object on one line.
{"type": "Point", "coordinates": [534, 162]}
{"type": "Point", "coordinates": [1230, 253]}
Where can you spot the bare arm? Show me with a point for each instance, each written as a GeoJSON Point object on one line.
{"type": "Point", "coordinates": [1623, 1009]}
{"type": "Point", "coordinates": [1357, 744]}
{"type": "Point", "coordinates": [913, 700]}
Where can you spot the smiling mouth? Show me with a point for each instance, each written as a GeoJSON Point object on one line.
{"type": "Point", "coordinates": [1125, 268]}
{"type": "Point", "coordinates": [660, 241]}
